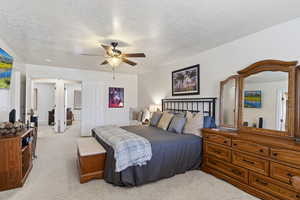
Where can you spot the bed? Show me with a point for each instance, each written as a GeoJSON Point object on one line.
{"type": "Point", "coordinates": [171, 153]}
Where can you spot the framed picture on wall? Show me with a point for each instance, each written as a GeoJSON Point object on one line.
{"type": "Point", "coordinates": [116, 97]}
{"type": "Point", "coordinates": [6, 65]}
{"type": "Point", "coordinates": [186, 81]}
{"type": "Point", "coordinates": [252, 99]}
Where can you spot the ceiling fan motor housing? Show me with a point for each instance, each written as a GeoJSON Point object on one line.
{"type": "Point", "coordinates": [114, 50]}
{"type": "Point", "coordinates": [114, 44]}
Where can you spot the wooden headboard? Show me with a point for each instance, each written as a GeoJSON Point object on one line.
{"type": "Point", "coordinates": [205, 105]}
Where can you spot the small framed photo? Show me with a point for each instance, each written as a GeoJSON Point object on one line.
{"type": "Point", "coordinates": [116, 97]}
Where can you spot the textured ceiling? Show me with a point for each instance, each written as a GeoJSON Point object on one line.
{"type": "Point", "coordinates": [55, 32]}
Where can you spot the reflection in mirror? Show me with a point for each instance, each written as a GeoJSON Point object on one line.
{"type": "Point", "coordinates": [265, 98]}
{"type": "Point", "coordinates": [228, 103]}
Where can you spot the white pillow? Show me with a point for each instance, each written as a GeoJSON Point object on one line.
{"type": "Point", "coordinates": [194, 123]}
{"type": "Point", "coordinates": [146, 115]}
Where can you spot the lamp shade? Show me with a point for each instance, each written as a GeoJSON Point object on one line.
{"type": "Point", "coordinates": [114, 61]}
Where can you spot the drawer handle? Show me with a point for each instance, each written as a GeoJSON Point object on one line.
{"type": "Point", "coordinates": [234, 144]}
{"type": "Point", "coordinates": [298, 196]}
{"type": "Point", "coordinates": [225, 142]}
{"type": "Point", "coordinates": [212, 162]}
{"type": "Point", "coordinates": [248, 161]}
{"type": "Point", "coordinates": [275, 154]}
{"type": "Point", "coordinates": [261, 182]}
{"type": "Point", "coordinates": [261, 150]}
{"type": "Point", "coordinates": [237, 172]}
{"type": "Point", "coordinates": [291, 176]}
{"type": "Point", "coordinates": [217, 151]}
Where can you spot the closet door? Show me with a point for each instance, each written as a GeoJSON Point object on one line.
{"type": "Point", "coordinates": [92, 106]}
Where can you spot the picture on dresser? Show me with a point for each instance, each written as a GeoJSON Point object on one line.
{"type": "Point", "coordinates": [6, 62]}
{"type": "Point", "coordinates": [116, 97]}
{"type": "Point", "coordinates": [252, 99]}
{"type": "Point", "coordinates": [186, 81]}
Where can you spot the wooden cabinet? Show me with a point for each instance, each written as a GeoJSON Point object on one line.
{"type": "Point", "coordinates": [264, 166]}
{"type": "Point", "coordinates": [272, 187]}
{"type": "Point", "coordinates": [16, 159]}
{"type": "Point", "coordinates": [227, 168]}
{"type": "Point", "coordinates": [283, 173]}
{"type": "Point", "coordinates": [286, 155]}
{"type": "Point", "coordinates": [250, 147]}
{"type": "Point", "coordinates": [219, 139]}
{"type": "Point", "coordinates": [218, 151]}
{"type": "Point", "coordinates": [250, 162]}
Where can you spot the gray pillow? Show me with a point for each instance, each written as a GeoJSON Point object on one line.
{"type": "Point", "coordinates": [177, 124]}
{"type": "Point", "coordinates": [155, 118]}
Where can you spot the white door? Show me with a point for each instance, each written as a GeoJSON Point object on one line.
{"type": "Point", "coordinates": [60, 117]}
{"type": "Point", "coordinates": [65, 106]}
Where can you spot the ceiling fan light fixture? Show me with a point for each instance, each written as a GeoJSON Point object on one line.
{"type": "Point", "coordinates": [114, 61]}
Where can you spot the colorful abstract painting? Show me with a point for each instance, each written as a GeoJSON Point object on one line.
{"type": "Point", "coordinates": [252, 99]}
{"type": "Point", "coordinates": [6, 62]}
{"type": "Point", "coordinates": [116, 97]}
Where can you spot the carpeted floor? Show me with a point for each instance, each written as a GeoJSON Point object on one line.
{"type": "Point", "coordinates": [55, 177]}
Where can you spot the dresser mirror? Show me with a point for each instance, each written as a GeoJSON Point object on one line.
{"type": "Point", "coordinates": [228, 102]}
{"type": "Point", "coordinates": [267, 98]}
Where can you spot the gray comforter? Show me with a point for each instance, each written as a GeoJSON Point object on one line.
{"type": "Point", "coordinates": [171, 154]}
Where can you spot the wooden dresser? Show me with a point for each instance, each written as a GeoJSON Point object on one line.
{"type": "Point", "coordinates": [264, 166]}
{"type": "Point", "coordinates": [16, 159]}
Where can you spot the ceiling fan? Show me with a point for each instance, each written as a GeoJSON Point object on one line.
{"type": "Point", "coordinates": [115, 57]}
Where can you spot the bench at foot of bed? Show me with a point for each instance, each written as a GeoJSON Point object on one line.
{"type": "Point", "coordinates": [91, 159]}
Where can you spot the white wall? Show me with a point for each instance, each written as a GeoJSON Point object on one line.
{"type": "Point", "coordinates": [45, 100]}
{"type": "Point", "coordinates": [94, 93]}
{"type": "Point", "coordinates": [279, 42]}
{"type": "Point", "coordinates": [11, 98]}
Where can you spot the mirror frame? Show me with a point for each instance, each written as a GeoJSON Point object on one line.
{"type": "Point", "coordinates": [271, 65]}
{"type": "Point", "coordinates": [222, 83]}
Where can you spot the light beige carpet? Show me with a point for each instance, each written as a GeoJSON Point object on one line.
{"type": "Point", "coordinates": [55, 177]}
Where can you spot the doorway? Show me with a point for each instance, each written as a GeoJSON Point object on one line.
{"type": "Point", "coordinates": [72, 102]}
{"type": "Point", "coordinates": [56, 103]}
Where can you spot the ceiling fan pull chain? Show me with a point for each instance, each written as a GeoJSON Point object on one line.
{"type": "Point", "coordinates": [114, 77]}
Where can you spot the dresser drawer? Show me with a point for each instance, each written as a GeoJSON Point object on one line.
{"type": "Point", "coordinates": [250, 162]}
{"type": "Point", "coordinates": [250, 147]}
{"type": "Point", "coordinates": [217, 151]}
{"type": "Point", "coordinates": [270, 186]}
{"type": "Point", "coordinates": [286, 155]}
{"type": "Point", "coordinates": [227, 168]}
{"type": "Point", "coordinates": [218, 139]}
{"type": "Point", "coordinates": [283, 173]}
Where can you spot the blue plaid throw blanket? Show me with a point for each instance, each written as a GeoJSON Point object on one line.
{"type": "Point", "coordinates": [129, 148]}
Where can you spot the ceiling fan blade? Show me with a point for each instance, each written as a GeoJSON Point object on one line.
{"type": "Point", "coordinates": [108, 49]}
{"type": "Point", "coordinates": [129, 62]}
{"type": "Point", "coordinates": [128, 55]}
{"type": "Point", "coordinates": [87, 54]}
{"type": "Point", "coordinates": [104, 62]}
